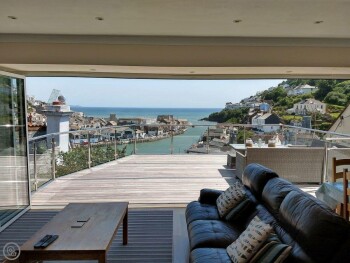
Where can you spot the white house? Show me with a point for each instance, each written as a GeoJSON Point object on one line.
{"type": "Point", "coordinates": [301, 89]}
{"type": "Point", "coordinates": [266, 122]}
{"type": "Point", "coordinates": [308, 106]}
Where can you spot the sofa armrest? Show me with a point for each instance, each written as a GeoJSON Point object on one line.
{"type": "Point", "coordinates": [209, 196]}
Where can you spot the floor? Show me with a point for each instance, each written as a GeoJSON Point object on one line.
{"type": "Point", "coordinates": [150, 238]}
{"type": "Point", "coordinates": [142, 180]}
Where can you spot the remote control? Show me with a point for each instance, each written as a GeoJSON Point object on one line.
{"type": "Point", "coordinates": [49, 241]}
{"type": "Point", "coordinates": [42, 241]}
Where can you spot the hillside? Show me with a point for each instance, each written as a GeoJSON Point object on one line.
{"type": "Point", "coordinates": [335, 93]}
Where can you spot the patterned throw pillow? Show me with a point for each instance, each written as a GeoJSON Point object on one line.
{"type": "Point", "coordinates": [249, 242]}
{"type": "Point", "coordinates": [230, 198]}
{"type": "Point", "coordinates": [273, 250]}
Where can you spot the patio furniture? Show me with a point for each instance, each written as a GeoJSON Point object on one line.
{"type": "Point", "coordinates": [290, 211]}
{"type": "Point", "coordinates": [338, 163]}
{"type": "Point", "coordinates": [296, 164]}
{"type": "Point", "coordinates": [90, 241]}
{"type": "Point", "coordinates": [331, 193]}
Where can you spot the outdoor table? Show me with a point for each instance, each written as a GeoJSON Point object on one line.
{"type": "Point", "coordinates": [331, 193]}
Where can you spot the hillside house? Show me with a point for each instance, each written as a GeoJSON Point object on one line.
{"type": "Point", "coordinates": [266, 122]}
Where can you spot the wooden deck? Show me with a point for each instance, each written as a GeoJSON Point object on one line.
{"type": "Point", "coordinates": [142, 180]}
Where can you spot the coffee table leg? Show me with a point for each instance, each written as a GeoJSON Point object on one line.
{"type": "Point", "coordinates": [102, 258]}
{"type": "Point", "coordinates": [125, 228]}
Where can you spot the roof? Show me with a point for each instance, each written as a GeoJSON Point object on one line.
{"type": "Point", "coordinates": [265, 116]}
{"type": "Point", "coordinates": [305, 86]}
{"type": "Point", "coordinates": [310, 101]}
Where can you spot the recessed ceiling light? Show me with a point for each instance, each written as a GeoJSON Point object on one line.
{"type": "Point", "coordinates": [318, 22]}
{"type": "Point", "coordinates": [236, 21]}
{"type": "Point", "coordinates": [12, 17]}
{"type": "Point", "coordinates": [99, 18]}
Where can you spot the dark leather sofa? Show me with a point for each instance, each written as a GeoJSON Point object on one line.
{"type": "Point", "coordinates": [314, 232]}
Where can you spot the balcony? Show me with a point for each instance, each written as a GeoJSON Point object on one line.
{"type": "Point", "coordinates": [157, 187]}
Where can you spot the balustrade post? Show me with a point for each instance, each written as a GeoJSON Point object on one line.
{"type": "Point", "coordinates": [135, 141]}
{"type": "Point", "coordinates": [115, 145]}
{"type": "Point", "coordinates": [89, 150]}
{"type": "Point", "coordinates": [172, 142]}
{"type": "Point", "coordinates": [35, 168]}
{"type": "Point", "coordinates": [53, 158]}
{"type": "Point", "coordinates": [208, 138]}
{"type": "Point", "coordinates": [244, 134]}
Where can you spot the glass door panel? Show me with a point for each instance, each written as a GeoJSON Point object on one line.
{"type": "Point", "coordinates": [14, 194]}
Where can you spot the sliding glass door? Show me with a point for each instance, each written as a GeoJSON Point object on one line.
{"type": "Point", "coordinates": [14, 184]}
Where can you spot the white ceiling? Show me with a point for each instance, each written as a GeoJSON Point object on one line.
{"type": "Point", "coordinates": [260, 18]}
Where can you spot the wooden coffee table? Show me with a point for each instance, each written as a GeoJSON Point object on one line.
{"type": "Point", "coordinates": [91, 241]}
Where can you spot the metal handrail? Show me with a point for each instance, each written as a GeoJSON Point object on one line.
{"type": "Point", "coordinates": [50, 138]}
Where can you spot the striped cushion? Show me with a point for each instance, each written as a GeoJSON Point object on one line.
{"type": "Point", "coordinates": [249, 242]}
{"type": "Point", "coordinates": [240, 211]}
{"type": "Point", "coordinates": [272, 251]}
{"type": "Point", "coordinates": [230, 198]}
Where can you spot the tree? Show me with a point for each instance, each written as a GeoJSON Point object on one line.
{"type": "Point", "coordinates": [336, 98]}
{"type": "Point", "coordinates": [324, 87]}
{"type": "Point", "coordinates": [275, 94]}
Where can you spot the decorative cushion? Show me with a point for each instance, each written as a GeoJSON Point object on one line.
{"type": "Point", "coordinates": [240, 211]}
{"type": "Point", "coordinates": [272, 251]}
{"type": "Point", "coordinates": [230, 198]}
{"type": "Point", "coordinates": [250, 241]}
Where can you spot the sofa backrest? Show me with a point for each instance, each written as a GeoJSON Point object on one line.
{"type": "Point", "coordinates": [274, 193]}
{"type": "Point", "coordinates": [255, 177]}
{"type": "Point", "coordinates": [313, 226]}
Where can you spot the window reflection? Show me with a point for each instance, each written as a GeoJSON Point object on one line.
{"type": "Point", "coordinates": [13, 148]}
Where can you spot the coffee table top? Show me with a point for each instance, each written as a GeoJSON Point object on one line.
{"type": "Point", "coordinates": [96, 234]}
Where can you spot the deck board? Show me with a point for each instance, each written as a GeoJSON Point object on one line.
{"type": "Point", "coordinates": [142, 180]}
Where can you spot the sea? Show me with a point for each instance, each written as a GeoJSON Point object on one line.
{"type": "Point", "coordinates": [181, 142]}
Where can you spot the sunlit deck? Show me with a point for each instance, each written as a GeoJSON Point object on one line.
{"type": "Point", "coordinates": [142, 180]}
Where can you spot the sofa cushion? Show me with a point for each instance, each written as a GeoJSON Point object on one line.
{"type": "Point", "coordinates": [318, 230]}
{"type": "Point", "coordinates": [249, 242]}
{"type": "Point", "coordinates": [209, 196]}
{"type": "Point", "coordinates": [230, 198]}
{"type": "Point", "coordinates": [209, 255]}
{"type": "Point", "coordinates": [198, 211]}
{"type": "Point", "coordinates": [272, 251]}
{"type": "Point", "coordinates": [255, 177]}
{"type": "Point", "coordinates": [241, 211]}
{"type": "Point", "coordinates": [212, 233]}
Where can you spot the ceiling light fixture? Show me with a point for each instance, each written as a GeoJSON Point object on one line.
{"type": "Point", "coordinates": [318, 22]}
{"type": "Point", "coordinates": [236, 21]}
{"type": "Point", "coordinates": [12, 17]}
{"type": "Point", "coordinates": [99, 18]}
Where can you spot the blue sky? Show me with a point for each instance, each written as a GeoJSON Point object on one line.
{"type": "Point", "coordinates": [103, 92]}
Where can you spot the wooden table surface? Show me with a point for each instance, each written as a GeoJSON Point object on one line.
{"type": "Point", "coordinates": [91, 241]}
